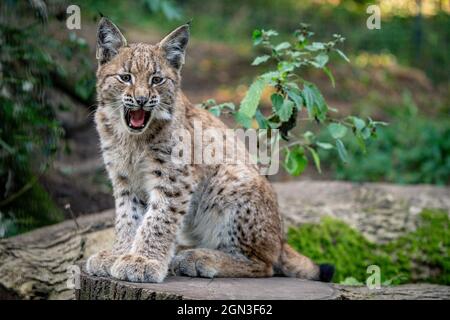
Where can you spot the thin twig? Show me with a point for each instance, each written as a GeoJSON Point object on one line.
{"type": "Point", "coordinates": [74, 218]}
{"type": "Point", "coordinates": [24, 189]}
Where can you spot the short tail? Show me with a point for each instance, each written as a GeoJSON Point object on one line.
{"type": "Point", "coordinates": [293, 264]}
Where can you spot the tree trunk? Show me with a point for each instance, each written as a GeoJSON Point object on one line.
{"type": "Point", "coordinates": [176, 288]}
{"type": "Point", "coordinates": [95, 288]}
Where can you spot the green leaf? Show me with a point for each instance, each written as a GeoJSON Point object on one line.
{"type": "Point", "coordinates": [359, 124]}
{"type": "Point", "coordinates": [243, 119]}
{"type": "Point", "coordinates": [227, 105]}
{"type": "Point", "coordinates": [282, 46]}
{"type": "Point", "coordinates": [274, 123]}
{"type": "Point", "coordinates": [337, 130]}
{"type": "Point", "coordinates": [333, 109]}
{"type": "Point", "coordinates": [262, 121]}
{"type": "Point", "coordinates": [285, 111]}
{"type": "Point", "coordinates": [296, 95]}
{"type": "Point", "coordinates": [324, 145]}
{"type": "Point", "coordinates": [366, 133]}
{"type": "Point", "coordinates": [314, 101]}
{"type": "Point", "coordinates": [308, 135]}
{"type": "Point", "coordinates": [361, 143]}
{"type": "Point", "coordinates": [362, 132]}
{"type": "Point", "coordinates": [373, 124]}
{"type": "Point", "coordinates": [270, 76]}
{"type": "Point", "coordinates": [210, 102]}
{"type": "Point", "coordinates": [257, 37]}
{"type": "Point", "coordinates": [315, 46]}
{"type": "Point", "coordinates": [260, 59]}
{"type": "Point", "coordinates": [282, 107]}
{"type": "Point", "coordinates": [251, 100]}
{"type": "Point", "coordinates": [342, 55]}
{"type": "Point", "coordinates": [330, 75]}
{"type": "Point", "coordinates": [277, 101]}
{"type": "Point", "coordinates": [342, 152]}
{"type": "Point", "coordinates": [321, 60]}
{"type": "Point", "coordinates": [295, 161]}
{"type": "Point", "coordinates": [285, 66]}
{"type": "Point", "coordinates": [215, 111]}
{"type": "Point", "coordinates": [308, 95]}
{"type": "Point", "coordinates": [270, 33]}
{"type": "Point", "coordinates": [316, 158]}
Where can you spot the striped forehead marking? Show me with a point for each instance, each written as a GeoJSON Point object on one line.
{"type": "Point", "coordinates": [143, 59]}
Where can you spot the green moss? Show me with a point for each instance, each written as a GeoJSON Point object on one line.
{"type": "Point", "coordinates": [401, 261]}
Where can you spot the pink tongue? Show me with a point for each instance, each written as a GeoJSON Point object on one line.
{"type": "Point", "coordinates": [137, 118]}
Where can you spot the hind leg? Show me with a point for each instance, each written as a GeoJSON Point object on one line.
{"type": "Point", "coordinates": [210, 263]}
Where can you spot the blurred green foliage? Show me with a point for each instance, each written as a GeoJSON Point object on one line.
{"type": "Point", "coordinates": [401, 261]}
{"type": "Point", "coordinates": [80, 68]}
{"type": "Point", "coordinates": [166, 7]}
{"type": "Point", "coordinates": [412, 149]}
{"type": "Point", "coordinates": [29, 131]}
{"type": "Point", "coordinates": [415, 41]}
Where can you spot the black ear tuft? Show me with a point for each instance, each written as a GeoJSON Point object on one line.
{"type": "Point", "coordinates": [174, 46]}
{"type": "Point", "coordinates": [109, 40]}
{"type": "Point", "coordinates": [326, 272]}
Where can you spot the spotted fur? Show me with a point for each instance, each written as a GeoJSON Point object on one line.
{"type": "Point", "coordinates": [201, 220]}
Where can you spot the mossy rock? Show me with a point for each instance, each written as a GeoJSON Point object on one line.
{"type": "Point", "coordinates": [418, 256]}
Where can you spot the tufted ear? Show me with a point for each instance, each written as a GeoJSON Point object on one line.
{"type": "Point", "coordinates": [109, 40]}
{"type": "Point", "coordinates": [174, 45]}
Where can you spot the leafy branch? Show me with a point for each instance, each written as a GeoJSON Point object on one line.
{"type": "Point", "coordinates": [292, 95]}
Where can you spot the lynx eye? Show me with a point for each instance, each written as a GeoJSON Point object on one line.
{"type": "Point", "coordinates": [125, 77]}
{"type": "Point", "coordinates": [157, 80]}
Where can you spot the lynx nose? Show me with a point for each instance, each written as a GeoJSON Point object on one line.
{"type": "Point", "coordinates": [141, 100]}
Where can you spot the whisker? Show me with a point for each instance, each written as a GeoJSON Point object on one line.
{"type": "Point", "coordinates": [164, 104]}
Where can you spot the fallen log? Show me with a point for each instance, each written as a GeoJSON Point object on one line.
{"type": "Point", "coordinates": [417, 291]}
{"type": "Point", "coordinates": [36, 265]}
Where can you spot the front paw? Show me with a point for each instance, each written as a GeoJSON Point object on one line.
{"type": "Point", "coordinates": [137, 268]}
{"type": "Point", "coordinates": [99, 264]}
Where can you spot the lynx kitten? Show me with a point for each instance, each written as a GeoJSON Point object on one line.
{"type": "Point", "coordinates": [198, 220]}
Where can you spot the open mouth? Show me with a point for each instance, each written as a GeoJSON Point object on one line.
{"type": "Point", "coordinates": [137, 119]}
